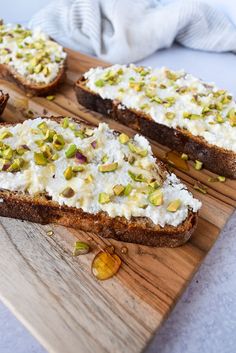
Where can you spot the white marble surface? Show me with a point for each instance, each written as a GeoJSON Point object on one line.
{"type": "Point", "coordinates": [204, 319]}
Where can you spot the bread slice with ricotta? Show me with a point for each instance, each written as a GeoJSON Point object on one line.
{"type": "Point", "coordinates": [92, 178]}
{"type": "Point", "coordinates": [31, 59]}
{"type": "Point", "coordinates": [174, 108]}
{"type": "Point", "coordinates": [3, 101]}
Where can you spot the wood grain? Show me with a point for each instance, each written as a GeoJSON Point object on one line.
{"type": "Point", "coordinates": [55, 294]}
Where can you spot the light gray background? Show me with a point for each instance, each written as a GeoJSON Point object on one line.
{"type": "Point", "coordinates": [204, 320]}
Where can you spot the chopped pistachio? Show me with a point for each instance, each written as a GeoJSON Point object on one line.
{"type": "Point", "coordinates": [171, 75]}
{"type": "Point", "coordinates": [89, 179]}
{"type": "Point", "coordinates": [68, 173]}
{"type": "Point", "coordinates": [39, 142]}
{"type": "Point", "coordinates": [156, 198]}
{"type": "Point", "coordinates": [68, 192]}
{"type": "Point", "coordinates": [5, 135]}
{"type": "Point", "coordinates": [65, 122]}
{"type": "Point", "coordinates": [144, 106]}
{"type": "Point", "coordinates": [137, 86]}
{"type": "Point", "coordinates": [104, 158]}
{"type": "Point", "coordinates": [71, 151]}
{"type": "Point", "coordinates": [184, 156]}
{"type": "Point", "coordinates": [58, 142]}
{"type": "Point", "coordinates": [50, 98]}
{"type": "Point", "coordinates": [135, 149]}
{"type": "Point", "coordinates": [79, 133]}
{"type": "Point", "coordinates": [169, 115]}
{"type": "Point", "coordinates": [174, 205]}
{"type": "Point", "coordinates": [108, 167]}
{"type": "Point", "coordinates": [40, 159]}
{"type": "Point", "coordinates": [198, 165]}
{"type": "Point", "coordinates": [128, 189]}
{"type": "Point", "coordinates": [43, 126]}
{"type": "Point", "coordinates": [221, 178]}
{"type": "Point", "coordinates": [219, 119]}
{"type": "Point", "coordinates": [16, 165]}
{"type": "Point", "coordinates": [100, 83]}
{"type": "Point", "coordinates": [131, 159]}
{"type": "Point", "coordinates": [103, 198]}
{"type": "Point", "coordinates": [80, 248]}
{"type": "Point", "coordinates": [118, 189]}
{"type": "Point", "coordinates": [137, 177]}
{"type": "Point", "coordinates": [55, 156]}
{"type": "Point", "coordinates": [49, 134]}
{"type": "Point", "coordinates": [123, 138]}
{"type": "Point", "coordinates": [7, 153]}
{"type": "Point", "coordinates": [38, 68]}
{"type": "Point", "coordinates": [78, 168]}
{"type": "Point", "coordinates": [154, 185]}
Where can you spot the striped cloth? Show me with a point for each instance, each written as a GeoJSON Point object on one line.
{"type": "Point", "coordinates": [124, 31]}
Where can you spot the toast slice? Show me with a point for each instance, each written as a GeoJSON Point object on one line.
{"type": "Point", "coordinates": [173, 108]}
{"type": "Point", "coordinates": [65, 172]}
{"type": "Point", "coordinates": [3, 101]}
{"type": "Point", "coordinates": [30, 59]}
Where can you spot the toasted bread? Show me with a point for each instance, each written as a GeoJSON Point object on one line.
{"type": "Point", "coordinates": [3, 101]}
{"type": "Point", "coordinates": [26, 54]}
{"type": "Point", "coordinates": [217, 159]}
{"type": "Point", "coordinates": [41, 208]}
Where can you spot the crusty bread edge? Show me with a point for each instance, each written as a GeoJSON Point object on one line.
{"type": "Point", "coordinates": [3, 101]}
{"type": "Point", "coordinates": [33, 89]}
{"type": "Point", "coordinates": [216, 159]}
{"type": "Point", "coordinates": [138, 230]}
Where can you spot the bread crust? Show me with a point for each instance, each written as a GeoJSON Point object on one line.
{"type": "Point", "coordinates": [140, 230]}
{"type": "Point", "coordinates": [216, 159]}
{"type": "Point", "coordinates": [3, 101]}
{"type": "Point", "coordinates": [32, 89]}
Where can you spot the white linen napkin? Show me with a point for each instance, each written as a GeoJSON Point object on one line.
{"type": "Point", "coordinates": [124, 31]}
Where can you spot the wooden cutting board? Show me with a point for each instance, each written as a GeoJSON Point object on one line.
{"type": "Point", "coordinates": [55, 295]}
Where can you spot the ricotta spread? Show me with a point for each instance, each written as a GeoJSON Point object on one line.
{"type": "Point", "coordinates": [175, 99]}
{"type": "Point", "coordinates": [38, 156]}
{"type": "Point", "coordinates": [31, 53]}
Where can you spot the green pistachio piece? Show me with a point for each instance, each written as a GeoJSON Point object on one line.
{"type": "Point", "coordinates": [232, 117]}
{"type": "Point", "coordinates": [65, 123]}
{"type": "Point", "coordinates": [80, 248]}
{"type": "Point", "coordinates": [123, 138]}
{"type": "Point", "coordinates": [7, 153]}
{"type": "Point", "coordinates": [198, 165]}
{"type": "Point", "coordinates": [80, 134]}
{"type": "Point", "coordinates": [103, 198]}
{"type": "Point", "coordinates": [154, 185]}
{"type": "Point", "coordinates": [174, 205]}
{"type": "Point", "coordinates": [156, 198]}
{"type": "Point", "coordinates": [78, 169]}
{"type": "Point", "coordinates": [128, 189]}
{"type": "Point", "coordinates": [58, 142]}
{"type": "Point", "coordinates": [144, 106]}
{"type": "Point", "coordinates": [55, 156]}
{"type": "Point", "coordinates": [43, 126]}
{"type": "Point", "coordinates": [47, 151]}
{"type": "Point", "coordinates": [71, 151]}
{"type": "Point", "coordinates": [40, 159]}
{"type": "Point", "coordinates": [89, 179]}
{"type": "Point", "coordinates": [100, 83]}
{"type": "Point", "coordinates": [219, 119]}
{"type": "Point", "coordinates": [49, 134]}
{"type": "Point", "coordinates": [46, 72]}
{"type": "Point", "coordinates": [50, 98]}
{"type": "Point", "coordinates": [170, 115]}
{"type": "Point", "coordinates": [105, 168]}
{"type": "Point", "coordinates": [68, 173]}
{"type": "Point", "coordinates": [118, 189]}
{"type": "Point", "coordinates": [19, 55]}
{"type": "Point", "coordinates": [137, 177]}
{"type": "Point", "coordinates": [137, 86]}
{"type": "Point", "coordinates": [150, 93]}
{"type": "Point", "coordinates": [221, 178]}
{"type": "Point", "coordinates": [5, 135]}
{"type": "Point", "coordinates": [68, 192]}
{"type": "Point", "coordinates": [171, 75]}
{"type": "Point", "coordinates": [39, 143]}
{"type": "Point", "coordinates": [135, 149]}
{"type": "Point", "coordinates": [104, 158]}
{"type": "Point", "coordinates": [38, 68]}
{"type": "Point", "coordinates": [157, 100]}
{"type": "Point", "coordinates": [184, 156]}
{"type": "Point", "coordinates": [16, 165]}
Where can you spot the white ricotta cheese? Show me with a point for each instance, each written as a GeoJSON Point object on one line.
{"type": "Point", "coordinates": [174, 99]}
{"type": "Point", "coordinates": [31, 53]}
{"type": "Point", "coordinates": [88, 184]}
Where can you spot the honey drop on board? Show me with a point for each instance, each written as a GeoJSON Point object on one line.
{"type": "Point", "coordinates": [174, 159]}
{"type": "Point", "coordinates": [105, 265]}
